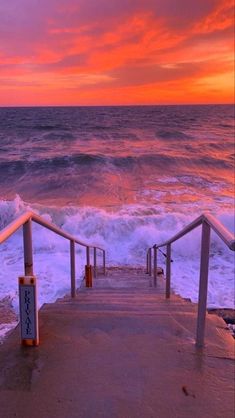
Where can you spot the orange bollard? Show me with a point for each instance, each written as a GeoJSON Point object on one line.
{"type": "Point", "coordinates": [88, 275]}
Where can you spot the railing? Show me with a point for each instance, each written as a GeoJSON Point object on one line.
{"type": "Point", "coordinates": [25, 220]}
{"type": "Point", "coordinates": [208, 222]}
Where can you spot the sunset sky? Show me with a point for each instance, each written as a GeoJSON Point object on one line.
{"type": "Point", "coordinates": [104, 52]}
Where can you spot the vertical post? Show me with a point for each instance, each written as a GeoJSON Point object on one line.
{"type": "Point", "coordinates": [88, 256]}
{"type": "Point", "coordinates": [150, 261]}
{"type": "Point", "coordinates": [88, 271]}
{"type": "Point", "coordinates": [104, 265]}
{"type": "Point", "coordinates": [168, 271]}
{"type": "Point", "coordinates": [28, 293]}
{"type": "Point", "coordinates": [204, 268]}
{"type": "Point", "coordinates": [94, 261]}
{"type": "Point", "coordinates": [147, 262]}
{"type": "Point", "coordinates": [28, 248]}
{"type": "Point", "coordinates": [155, 265]}
{"type": "Point", "coordinates": [72, 268]}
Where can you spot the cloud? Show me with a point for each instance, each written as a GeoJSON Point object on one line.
{"type": "Point", "coordinates": [125, 45]}
{"type": "Point", "coordinates": [149, 74]}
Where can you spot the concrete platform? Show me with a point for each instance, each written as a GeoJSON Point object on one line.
{"type": "Point", "coordinates": [119, 351]}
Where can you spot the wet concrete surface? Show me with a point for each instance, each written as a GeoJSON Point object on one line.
{"type": "Point", "coordinates": [120, 352]}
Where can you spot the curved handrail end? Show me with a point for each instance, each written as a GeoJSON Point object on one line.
{"type": "Point", "coordinates": [232, 245]}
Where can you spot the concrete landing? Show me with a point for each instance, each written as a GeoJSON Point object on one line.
{"type": "Point", "coordinates": [119, 350]}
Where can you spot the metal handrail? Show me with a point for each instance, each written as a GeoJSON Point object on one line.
{"type": "Point", "coordinates": [17, 223]}
{"type": "Point", "coordinates": [208, 222]}
{"type": "Point", "coordinates": [25, 220]}
{"type": "Point", "coordinates": [217, 226]}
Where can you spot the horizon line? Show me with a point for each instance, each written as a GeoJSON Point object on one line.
{"type": "Point", "coordinates": [117, 105]}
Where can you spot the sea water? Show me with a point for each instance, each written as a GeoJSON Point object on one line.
{"type": "Point", "coordinates": [123, 178]}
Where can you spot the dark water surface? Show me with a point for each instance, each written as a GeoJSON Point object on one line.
{"type": "Point", "coordinates": [109, 156]}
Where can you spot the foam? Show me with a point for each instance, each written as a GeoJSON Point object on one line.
{"type": "Point", "coordinates": [126, 234]}
{"type": "Point", "coordinates": [5, 328]}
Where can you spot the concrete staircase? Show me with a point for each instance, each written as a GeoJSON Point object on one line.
{"type": "Point", "coordinates": [119, 350]}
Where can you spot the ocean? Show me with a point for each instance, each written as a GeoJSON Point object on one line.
{"type": "Point", "coordinates": [123, 178]}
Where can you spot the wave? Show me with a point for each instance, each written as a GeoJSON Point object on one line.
{"type": "Point", "coordinates": [59, 136]}
{"type": "Point", "coordinates": [19, 166]}
{"type": "Point", "coordinates": [22, 166]}
{"type": "Point", "coordinates": [172, 134]}
{"type": "Point", "coordinates": [47, 127]}
{"type": "Point", "coordinates": [226, 125]}
{"type": "Point", "coordinates": [126, 234]}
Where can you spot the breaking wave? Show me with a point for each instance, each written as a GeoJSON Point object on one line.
{"type": "Point", "coordinates": [125, 234]}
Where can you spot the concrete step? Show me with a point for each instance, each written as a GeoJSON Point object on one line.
{"type": "Point", "coordinates": [119, 353]}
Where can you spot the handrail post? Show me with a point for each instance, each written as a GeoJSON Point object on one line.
{"type": "Point", "coordinates": [28, 315]}
{"type": "Point", "coordinates": [150, 261]}
{"type": "Point", "coordinates": [147, 262]}
{"type": "Point", "coordinates": [88, 270]}
{"type": "Point", "coordinates": [104, 263]}
{"type": "Point", "coordinates": [72, 268]}
{"type": "Point", "coordinates": [168, 271]}
{"type": "Point", "coordinates": [203, 284]}
{"type": "Point", "coordinates": [88, 255]}
{"type": "Point", "coordinates": [155, 265]}
{"type": "Point", "coordinates": [28, 248]}
{"type": "Point", "coordinates": [94, 261]}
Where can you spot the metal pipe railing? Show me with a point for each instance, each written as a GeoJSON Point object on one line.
{"type": "Point", "coordinates": [155, 265]}
{"type": "Point", "coordinates": [203, 283]}
{"type": "Point", "coordinates": [14, 226]}
{"type": "Point", "coordinates": [28, 248]}
{"type": "Point", "coordinates": [221, 231]}
{"type": "Point", "coordinates": [168, 271]}
{"type": "Point", "coordinates": [147, 262]}
{"type": "Point", "coordinates": [104, 263]}
{"type": "Point", "coordinates": [72, 267]}
{"type": "Point", "coordinates": [21, 220]}
{"type": "Point", "coordinates": [217, 226]}
{"type": "Point", "coordinates": [88, 256]}
{"type": "Point", "coordinates": [25, 220]}
{"type": "Point", "coordinates": [208, 222]}
{"type": "Point", "coordinates": [94, 261]}
{"type": "Point", "coordinates": [150, 262]}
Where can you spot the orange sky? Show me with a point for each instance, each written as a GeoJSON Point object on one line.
{"type": "Point", "coordinates": [103, 52]}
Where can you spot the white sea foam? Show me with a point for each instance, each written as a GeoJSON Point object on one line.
{"type": "Point", "coordinates": [5, 328]}
{"type": "Point", "coordinates": [126, 234]}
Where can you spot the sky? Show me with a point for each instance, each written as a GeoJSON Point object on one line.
{"type": "Point", "coordinates": [116, 52]}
